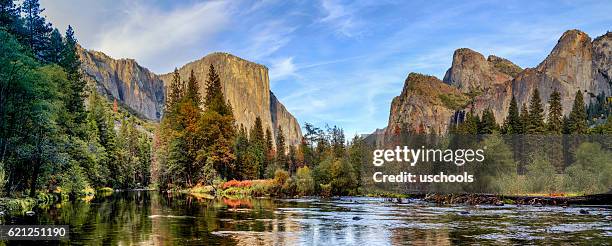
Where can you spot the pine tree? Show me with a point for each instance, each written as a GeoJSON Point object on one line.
{"type": "Point", "coordinates": [281, 157]}
{"type": "Point", "coordinates": [176, 90]}
{"type": "Point", "coordinates": [337, 141]}
{"type": "Point", "coordinates": [244, 169]}
{"type": "Point", "coordinates": [292, 159]}
{"type": "Point", "coordinates": [256, 137]}
{"type": "Point", "coordinates": [536, 114]}
{"type": "Point", "coordinates": [269, 151]}
{"type": "Point", "coordinates": [9, 14]}
{"type": "Point", "coordinates": [192, 93]}
{"type": "Point", "coordinates": [76, 86]}
{"type": "Point", "coordinates": [214, 98]}
{"type": "Point", "coordinates": [37, 30]}
{"type": "Point", "coordinates": [56, 46]}
{"type": "Point", "coordinates": [218, 128]}
{"type": "Point", "coordinates": [577, 122]}
{"type": "Point", "coordinates": [555, 113]}
{"type": "Point", "coordinates": [487, 123]}
{"type": "Point", "coordinates": [525, 119]}
{"type": "Point", "coordinates": [470, 125]}
{"type": "Point", "coordinates": [512, 124]}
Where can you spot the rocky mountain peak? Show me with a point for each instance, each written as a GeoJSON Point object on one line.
{"type": "Point", "coordinates": [574, 64]}
{"type": "Point", "coordinates": [470, 71]}
{"type": "Point", "coordinates": [425, 105]}
{"type": "Point", "coordinates": [570, 59]}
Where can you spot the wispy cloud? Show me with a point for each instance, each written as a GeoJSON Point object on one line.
{"type": "Point", "coordinates": [267, 38]}
{"type": "Point", "coordinates": [340, 16]}
{"type": "Point", "coordinates": [150, 33]}
{"type": "Point", "coordinates": [282, 68]}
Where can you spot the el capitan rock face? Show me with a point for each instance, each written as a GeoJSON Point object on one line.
{"type": "Point", "coordinates": [575, 64]}
{"type": "Point", "coordinates": [132, 85]}
{"type": "Point", "coordinates": [246, 86]}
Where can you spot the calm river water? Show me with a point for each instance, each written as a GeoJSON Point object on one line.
{"type": "Point", "coordinates": [151, 218]}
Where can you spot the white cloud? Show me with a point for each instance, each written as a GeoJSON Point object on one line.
{"type": "Point", "coordinates": [282, 68]}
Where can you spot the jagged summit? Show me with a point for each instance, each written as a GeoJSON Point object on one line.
{"type": "Point", "coordinates": [471, 71]}
{"type": "Point", "coordinates": [574, 64]}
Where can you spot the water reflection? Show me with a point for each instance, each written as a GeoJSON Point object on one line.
{"type": "Point", "coordinates": [151, 218]}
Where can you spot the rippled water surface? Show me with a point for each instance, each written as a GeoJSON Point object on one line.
{"type": "Point", "coordinates": [150, 218]}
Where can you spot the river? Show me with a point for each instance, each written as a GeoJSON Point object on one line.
{"type": "Point", "coordinates": [151, 218]}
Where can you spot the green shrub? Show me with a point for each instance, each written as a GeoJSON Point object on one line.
{"type": "Point", "coordinates": [344, 181]}
{"type": "Point", "coordinates": [281, 177]}
{"type": "Point", "coordinates": [304, 182]}
{"type": "Point", "coordinates": [591, 173]}
{"type": "Point", "coordinates": [289, 188]}
{"type": "Point", "coordinates": [541, 176]}
{"type": "Point", "coordinates": [261, 187]}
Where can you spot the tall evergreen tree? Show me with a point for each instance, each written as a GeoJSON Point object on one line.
{"type": "Point", "coordinates": [292, 159]}
{"type": "Point", "coordinates": [281, 157]}
{"type": "Point", "coordinates": [512, 124]}
{"type": "Point", "coordinates": [555, 113]}
{"type": "Point", "coordinates": [487, 122]}
{"type": "Point", "coordinates": [218, 127]}
{"type": "Point", "coordinates": [577, 122]}
{"type": "Point", "coordinates": [525, 119]}
{"type": "Point", "coordinates": [76, 84]}
{"type": "Point", "coordinates": [37, 30]}
{"type": "Point", "coordinates": [56, 46]}
{"type": "Point", "coordinates": [256, 136]}
{"type": "Point", "coordinates": [192, 93]}
{"type": "Point", "coordinates": [469, 125]}
{"type": "Point", "coordinates": [536, 114]}
{"type": "Point", "coordinates": [337, 141]}
{"type": "Point", "coordinates": [269, 151]}
{"type": "Point", "coordinates": [9, 15]}
{"type": "Point", "coordinates": [244, 163]}
{"type": "Point", "coordinates": [214, 98]}
{"type": "Point", "coordinates": [176, 90]}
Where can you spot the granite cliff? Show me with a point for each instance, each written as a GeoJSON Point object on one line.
{"type": "Point", "coordinates": [132, 85]}
{"type": "Point", "coordinates": [246, 86]}
{"type": "Point", "coordinates": [474, 83]}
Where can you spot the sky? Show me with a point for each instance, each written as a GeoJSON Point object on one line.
{"type": "Point", "coordinates": [330, 62]}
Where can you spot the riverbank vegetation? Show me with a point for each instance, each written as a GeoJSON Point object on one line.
{"type": "Point", "coordinates": [198, 143]}
{"type": "Point", "coordinates": [58, 137]}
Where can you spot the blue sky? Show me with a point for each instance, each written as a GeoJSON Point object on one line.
{"type": "Point", "coordinates": [334, 62]}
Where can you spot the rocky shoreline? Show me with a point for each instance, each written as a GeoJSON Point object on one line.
{"type": "Point", "coordinates": [501, 200]}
